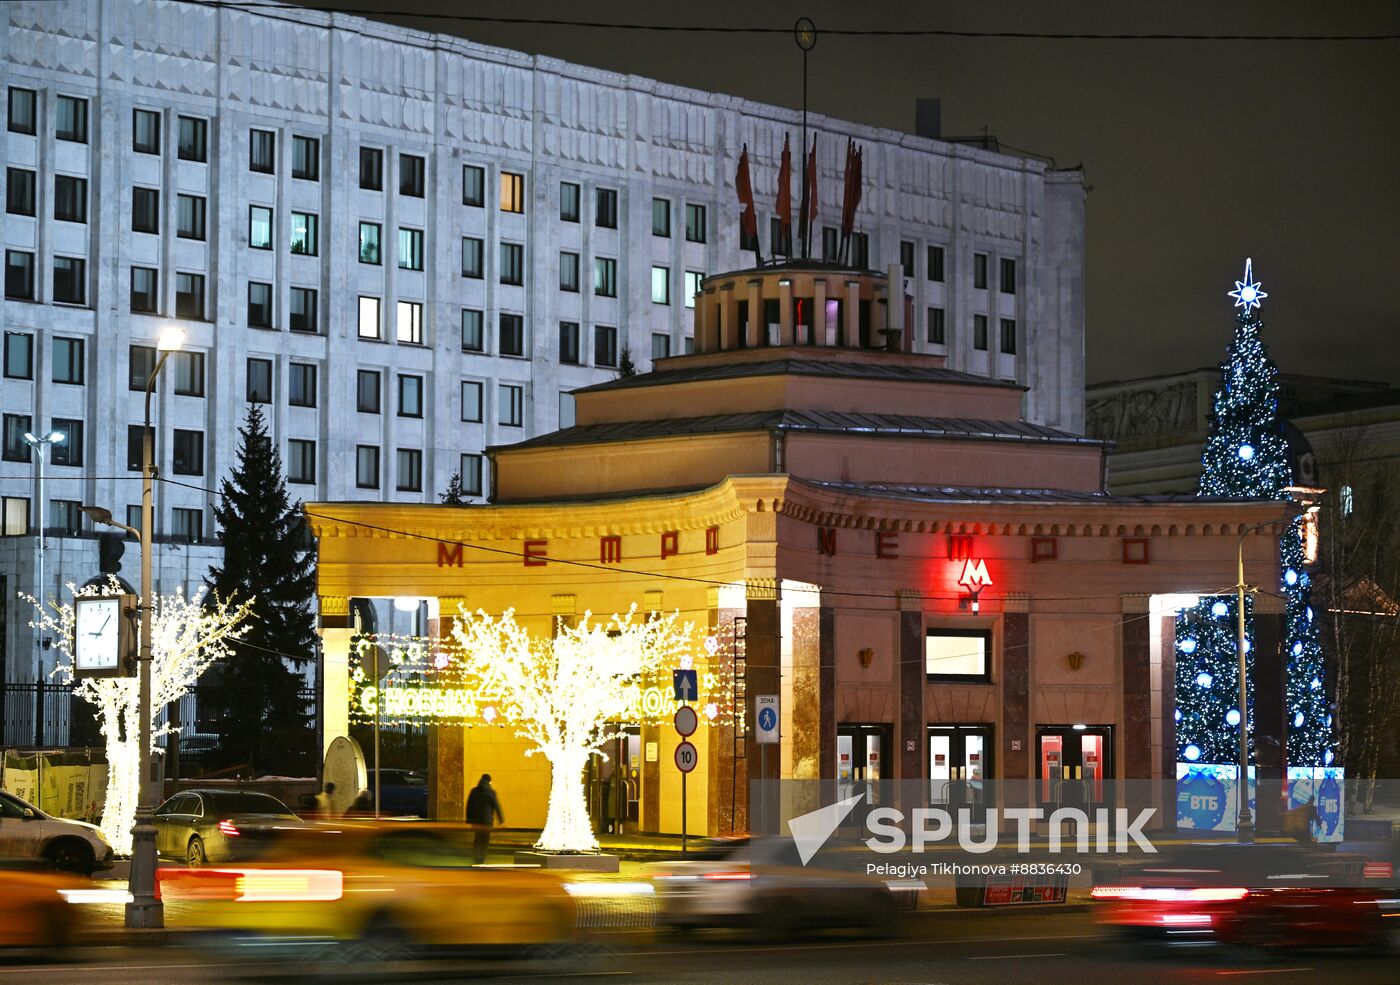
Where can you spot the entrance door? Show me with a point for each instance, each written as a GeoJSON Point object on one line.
{"type": "Point", "coordinates": [862, 752]}
{"type": "Point", "coordinates": [959, 764]}
{"type": "Point", "coordinates": [615, 784]}
{"type": "Point", "coordinates": [1075, 764]}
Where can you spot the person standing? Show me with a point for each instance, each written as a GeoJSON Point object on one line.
{"type": "Point", "coordinates": [323, 800]}
{"type": "Point", "coordinates": [483, 811]}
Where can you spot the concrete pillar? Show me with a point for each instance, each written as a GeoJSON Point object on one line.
{"type": "Point", "coordinates": [786, 330]}
{"type": "Point", "coordinates": [758, 327]}
{"type": "Point", "coordinates": [707, 312]}
{"type": "Point", "coordinates": [335, 684]}
{"type": "Point", "coordinates": [821, 331]}
{"type": "Point", "coordinates": [850, 335]}
{"type": "Point", "coordinates": [910, 742]}
{"type": "Point", "coordinates": [728, 319]}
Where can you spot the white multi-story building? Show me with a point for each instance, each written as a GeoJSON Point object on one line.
{"type": "Point", "coordinates": [410, 247]}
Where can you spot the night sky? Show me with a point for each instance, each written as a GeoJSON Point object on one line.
{"type": "Point", "coordinates": [1199, 153]}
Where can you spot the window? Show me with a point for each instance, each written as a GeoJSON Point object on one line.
{"type": "Point", "coordinates": [69, 280]}
{"type": "Point", "coordinates": [1007, 281]}
{"type": "Point", "coordinates": [303, 314]}
{"type": "Point", "coordinates": [367, 466]}
{"type": "Point", "coordinates": [568, 272]}
{"type": "Point", "coordinates": [135, 455]}
{"type": "Point", "coordinates": [660, 345]}
{"type": "Point", "coordinates": [19, 275]}
{"type": "Point", "coordinates": [568, 201]}
{"type": "Point", "coordinates": [369, 317]}
{"type": "Point", "coordinates": [193, 144]}
{"type": "Point", "coordinates": [260, 228]}
{"type": "Point", "coordinates": [187, 526]}
{"type": "Point", "coordinates": [472, 249]}
{"type": "Point", "coordinates": [301, 385]}
{"type": "Point", "coordinates": [831, 243]}
{"type": "Point", "coordinates": [473, 337]}
{"type": "Point", "coordinates": [410, 249]}
{"type": "Point", "coordinates": [70, 450]}
{"type": "Point", "coordinates": [16, 427]}
{"type": "Point", "coordinates": [935, 263]}
{"type": "Point", "coordinates": [511, 334]}
{"type": "Point", "coordinates": [133, 515]}
{"type": "Point", "coordinates": [410, 322]}
{"type": "Point", "coordinates": [605, 208]}
{"type": "Point", "coordinates": [568, 342]}
{"type": "Point", "coordinates": [69, 198]}
{"type": "Point", "coordinates": [906, 257]}
{"type": "Point", "coordinates": [779, 238]}
{"type": "Point", "coordinates": [512, 263]}
{"type": "Point", "coordinates": [695, 223]}
{"type": "Point", "coordinates": [371, 169]}
{"type": "Point", "coordinates": [512, 407]}
{"type": "Point", "coordinates": [979, 270]}
{"type": "Point", "coordinates": [145, 286]}
{"type": "Point", "coordinates": [189, 221]}
{"type": "Point", "coordinates": [259, 305]}
{"type": "Point", "coordinates": [72, 119]}
{"type": "Point", "coordinates": [979, 332]}
{"type": "Point", "coordinates": [604, 345]}
{"type": "Point", "coordinates": [259, 381]}
{"type": "Point", "coordinates": [15, 517]}
{"type": "Point", "coordinates": [145, 131]}
{"type": "Point", "coordinates": [412, 172]}
{"type": "Point", "coordinates": [66, 515]}
{"type": "Point", "coordinates": [369, 242]}
{"type": "Point", "coordinates": [145, 210]}
{"type": "Point", "coordinates": [189, 452]}
{"type": "Point", "coordinates": [860, 251]}
{"type": "Point", "coordinates": [19, 356]}
{"type": "Point", "coordinates": [410, 395]}
{"type": "Point", "coordinates": [189, 296]}
{"type": "Point", "coordinates": [512, 192]}
{"type": "Point", "coordinates": [660, 285]}
{"type": "Point", "coordinates": [1008, 336]}
{"type": "Point", "coordinates": [19, 191]}
{"type": "Point", "coordinates": [140, 363]}
{"type": "Point", "coordinates": [262, 151]}
{"type": "Point", "coordinates": [189, 373]}
{"type": "Point", "coordinates": [306, 158]}
{"type": "Point", "coordinates": [471, 474]}
{"type": "Point", "coordinates": [473, 185]}
{"type": "Point", "coordinates": [305, 235]}
{"type": "Point", "coordinates": [410, 478]}
{"type": "Point", "coordinates": [661, 217]}
{"type": "Point", "coordinates": [692, 286]}
{"type": "Point", "coordinates": [937, 328]}
{"type": "Point", "coordinates": [68, 361]}
{"type": "Point", "coordinates": [367, 391]}
{"type": "Point", "coordinates": [23, 110]}
{"type": "Point", "coordinates": [301, 460]}
{"type": "Point", "coordinates": [957, 654]}
{"type": "Point", "coordinates": [605, 277]}
{"type": "Point", "coordinates": [471, 401]}
{"type": "Point", "coordinates": [1348, 501]}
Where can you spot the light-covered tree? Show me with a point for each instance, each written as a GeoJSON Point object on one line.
{"type": "Point", "coordinates": [569, 695]}
{"type": "Point", "coordinates": [187, 636]}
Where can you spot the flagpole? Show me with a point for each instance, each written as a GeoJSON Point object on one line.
{"type": "Point", "coordinates": [805, 34]}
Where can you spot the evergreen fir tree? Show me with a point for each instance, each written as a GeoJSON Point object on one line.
{"type": "Point", "coordinates": [626, 367]}
{"type": "Point", "coordinates": [265, 720]}
{"type": "Point", "coordinates": [455, 495]}
{"type": "Point", "coordinates": [1246, 457]}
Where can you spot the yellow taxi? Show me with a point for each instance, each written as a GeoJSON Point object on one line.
{"type": "Point", "coordinates": [396, 887]}
{"type": "Point", "coordinates": [35, 909]}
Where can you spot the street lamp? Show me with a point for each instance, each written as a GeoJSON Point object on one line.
{"type": "Point", "coordinates": [40, 445]}
{"type": "Point", "coordinates": [145, 910]}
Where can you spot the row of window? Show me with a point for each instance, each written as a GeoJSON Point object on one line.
{"type": "Point", "coordinates": [938, 332]}
{"type": "Point", "coordinates": [69, 278]}
{"type": "Point", "coordinates": [934, 267]}
{"type": "Point", "coordinates": [66, 516]}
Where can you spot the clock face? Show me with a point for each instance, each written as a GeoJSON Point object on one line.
{"type": "Point", "coordinates": [97, 635]}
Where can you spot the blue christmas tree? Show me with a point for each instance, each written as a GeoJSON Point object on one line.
{"type": "Point", "coordinates": [1246, 457]}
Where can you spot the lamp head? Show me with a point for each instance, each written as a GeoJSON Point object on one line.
{"type": "Point", "coordinates": [56, 437]}
{"type": "Point", "coordinates": [29, 439]}
{"type": "Point", "coordinates": [172, 337]}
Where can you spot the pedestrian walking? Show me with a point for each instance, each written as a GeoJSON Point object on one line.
{"type": "Point", "coordinates": [483, 811]}
{"type": "Point", "coordinates": [363, 805]}
{"type": "Point", "coordinates": [324, 799]}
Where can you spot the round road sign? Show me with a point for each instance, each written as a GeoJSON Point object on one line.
{"type": "Point", "coordinates": [687, 757]}
{"type": "Point", "coordinates": [686, 720]}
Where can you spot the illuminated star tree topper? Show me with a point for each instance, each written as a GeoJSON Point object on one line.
{"type": "Point", "coordinates": [1247, 293]}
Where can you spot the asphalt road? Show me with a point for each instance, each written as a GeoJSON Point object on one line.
{"type": "Point", "coordinates": [967, 950]}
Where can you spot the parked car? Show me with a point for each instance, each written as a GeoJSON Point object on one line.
{"type": "Point", "coordinates": [364, 891]}
{"type": "Point", "coordinates": [199, 826]}
{"type": "Point", "coordinates": [402, 793]}
{"type": "Point", "coordinates": [195, 749]}
{"type": "Point", "coordinates": [69, 846]}
{"type": "Point", "coordinates": [34, 908]}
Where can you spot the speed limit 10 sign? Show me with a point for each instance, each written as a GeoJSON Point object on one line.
{"type": "Point", "coordinates": [687, 757]}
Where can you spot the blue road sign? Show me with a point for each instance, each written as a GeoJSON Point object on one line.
{"type": "Point", "coordinates": [687, 685]}
{"type": "Point", "coordinates": [766, 716]}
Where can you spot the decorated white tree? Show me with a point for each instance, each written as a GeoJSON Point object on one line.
{"type": "Point", "coordinates": [570, 695]}
{"type": "Point", "coordinates": [187, 635]}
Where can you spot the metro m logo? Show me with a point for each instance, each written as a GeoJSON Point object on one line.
{"type": "Point", "coordinates": [449, 555]}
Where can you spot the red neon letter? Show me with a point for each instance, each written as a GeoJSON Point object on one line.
{"type": "Point", "coordinates": [670, 544]}
{"type": "Point", "coordinates": [886, 543]}
{"type": "Point", "coordinates": [449, 554]}
{"type": "Point", "coordinates": [535, 556]}
{"type": "Point", "coordinates": [609, 549]}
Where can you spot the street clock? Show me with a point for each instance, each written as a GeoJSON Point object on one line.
{"type": "Point", "coordinates": [102, 636]}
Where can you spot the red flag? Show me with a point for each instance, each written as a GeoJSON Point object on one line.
{"type": "Point", "coordinates": [812, 182]}
{"type": "Point", "coordinates": [784, 203]}
{"type": "Point", "coordinates": [807, 211]}
{"type": "Point", "coordinates": [847, 211]}
{"type": "Point", "coordinates": [748, 221]}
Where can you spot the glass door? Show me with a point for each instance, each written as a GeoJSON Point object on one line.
{"type": "Point", "coordinates": [861, 753]}
{"type": "Point", "coordinates": [959, 764]}
{"type": "Point", "coordinates": [1075, 765]}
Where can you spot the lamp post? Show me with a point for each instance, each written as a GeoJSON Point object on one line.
{"type": "Point", "coordinates": [40, 446]}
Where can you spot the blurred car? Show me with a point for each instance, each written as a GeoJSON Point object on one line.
{"type": "Point", "coordinates": [34, 908]}
{"type": "Point", "coordinates": [373, 889]}
{"type": "Point", "coordinates": [200, 826]}
{"type": "Point", "coordinates": [69, 846]}
{"type": "Point", "coordinates": [762, 883]}
{"type": "Point", "coordinates": [1259, 895]}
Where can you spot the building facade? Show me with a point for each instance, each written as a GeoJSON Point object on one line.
{"type": "Point", "coordinates": [408, 247]}
{"type": "Point", "coordinates": [935, 587]}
